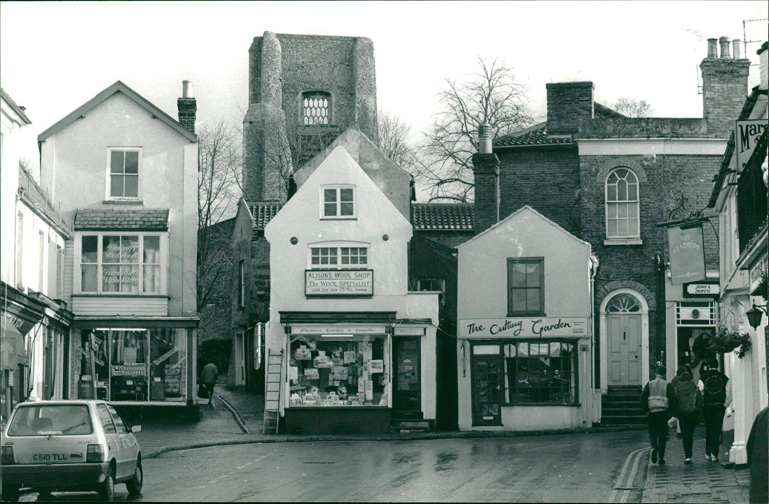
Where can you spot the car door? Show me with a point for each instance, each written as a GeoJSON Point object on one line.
{"type": "Point", "coordinates": [128, 444]}
{"type": "Point", "coordinates": [110, 433]}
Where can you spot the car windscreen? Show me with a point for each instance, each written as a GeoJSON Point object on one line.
{"type": "Point", "coordinates": [50, 419]}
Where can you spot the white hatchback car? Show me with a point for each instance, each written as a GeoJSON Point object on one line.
{"type": "Point", "coordinates": [69, 446]}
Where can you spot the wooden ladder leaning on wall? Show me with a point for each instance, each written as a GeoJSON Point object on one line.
{"type": "Point", "coordinates": [272, 394]}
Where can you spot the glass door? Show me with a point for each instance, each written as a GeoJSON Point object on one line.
{"type": "Point", "coordinates": [488, 382]}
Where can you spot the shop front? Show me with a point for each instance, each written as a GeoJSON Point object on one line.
{"type": "Point", "coordinates": [137, 363]}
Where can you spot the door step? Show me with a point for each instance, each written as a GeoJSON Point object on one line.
{"type": "Point", "coordinates": [404, 426]}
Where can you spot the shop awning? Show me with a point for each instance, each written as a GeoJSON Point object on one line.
{"type": "Point", "coordinates": [337, 317]}
{"type": "Point", "coordinates": [12, 349]}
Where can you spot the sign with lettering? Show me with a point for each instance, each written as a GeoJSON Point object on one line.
{"type": "Point", "coordinates": [701, 289]}
{"type": "Point", "coordinates": [339, 283]}
{"type": "Point", "coordinates": [337, 329]}
{"type": "Point", "coordinates": [687, 254]}
{"type": "Point", "coordinates": [748, 133]}
{"type": "Point", "coordinates": [164, 356]}
{"type": "Point", "coordinates": [129, 370]}
{"type": "Point", "coordinates": [534, 327]}
{"type": "Point", "coordinates": [409, 331]}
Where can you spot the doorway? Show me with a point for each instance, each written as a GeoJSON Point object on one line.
{"type": "Point", "coordinates": [624, 335]}
{"type": "Point", "coordinates": [407, 386]}
{"type": "Point", "coordinates": [239, 361]}
{"type": "Point", "coordinates": [488, 380]}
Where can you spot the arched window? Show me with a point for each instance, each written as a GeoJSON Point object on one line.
{"type": "Point", "coordinates": [316, 108]}
{"type": "Point", "coordinates": [623, 303]}
{"type": "Point", "coordinates": [622, 219]}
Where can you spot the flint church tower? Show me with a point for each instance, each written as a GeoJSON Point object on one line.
{"type": "Point", "coordinates": [303, 92]}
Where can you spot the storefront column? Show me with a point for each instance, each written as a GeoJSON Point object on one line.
{"type": "Point", "coordinates": [742, 402]}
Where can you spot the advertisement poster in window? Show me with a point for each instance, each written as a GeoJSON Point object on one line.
{"type": "Point", "coordinates": [687, 254]}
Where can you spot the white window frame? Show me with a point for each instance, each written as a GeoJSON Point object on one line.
{"type": "Point", "coordinates": [338, 188]}
{"type": "Point", "coordinates": [78, 288]}
{"type": "Point", "coordinates": [108, 174]}
{"type": "Point", "coordinates": [627, 201]}
{"type": "Point", "coordinates": [338, 246]}
{"type": "Point", "coordinates": [442, 290]}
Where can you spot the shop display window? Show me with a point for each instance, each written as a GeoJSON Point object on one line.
{"type": "Point", "coordinates": [338, 371]}
{"type": "Point", "coordinates": [541, 373]}
{"type": "Point", "coordinates": [131, 364]}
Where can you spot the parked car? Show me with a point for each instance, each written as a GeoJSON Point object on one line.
{"type": "Point", "coordinates": [69, 446]}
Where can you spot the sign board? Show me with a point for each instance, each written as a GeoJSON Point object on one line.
{"type": "Point", "coordinates": [339, 283]}
{"type": "Point", "coordinates": [702, 289]}
{"type": "Point", "coordinates": [747, 135]}
{"type": "Point", "coordinates": [337, 329]}
{"type": "Point", "coordinates": [129, 369]}
{"type": "Point", "coordinates": [687, 254]}
{"type": "Point", "coordinates": [533, 327]}
{"type": "Point", "coordinates": [409, 331]}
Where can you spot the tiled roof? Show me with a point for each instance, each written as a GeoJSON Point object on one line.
{"type": "Point", "coordinates": [443, 217]}
{"type": "Point", "coordinates": [16, 108]}
{"type": "Point", "coordinates": [33, 196]}
{"type": "Point", "coordinates": [263, 213]}
{"type": "Point", "coordinates": [604, 112]}
{"type": "Point", "coordinates": [122, 220]}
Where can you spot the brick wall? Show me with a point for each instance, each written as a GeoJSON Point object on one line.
{"type": "Point", "coordinates": [547, 179]}
{"type": "Point", "coordinates": [568, 103]}
{"type": "Point", "coordinates": [724, 90]}
{"type": "Point", "coordinates": [486, 176]}
{"type": "Point", "coordinates": [187, 110]}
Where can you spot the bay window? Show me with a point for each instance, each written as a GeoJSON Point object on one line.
{"type": "Point", "coordinates": [120, 263]}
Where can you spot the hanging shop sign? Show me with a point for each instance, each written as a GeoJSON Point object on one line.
{"type": "Point", "coordinates": [687, 254]}
{"type": "Point", "coordinates": [535, 327]}
{"type": "Point", "coordinates": [748, 134]}
{"type": "Point", "coordinates": [702, 290]}
{"type": "Point", "coordinates": [337, 329]}
{"type": "Point", "coordinates": [339, 283]}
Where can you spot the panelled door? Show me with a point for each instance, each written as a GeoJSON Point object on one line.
{"type": "Point", "coordinates": [407, 393]}
{"type": "Point", "coordinates": [488, 385]}
{"type": "Point", "coordinates": [624, 337]}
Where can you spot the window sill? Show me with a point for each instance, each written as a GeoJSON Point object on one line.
{"type": "Point", "coordinates": [136, 202]}
{"type": "Point", "coordinates": [623, 241]}
{"type": "Point", "coordinates": [121, 294]}
{"type": "Point", "coordinates": [526, 315]}
{"type": "Point", "coordinates": [540, 405]}
{"type": "Point", "coordinates": [338, 218]}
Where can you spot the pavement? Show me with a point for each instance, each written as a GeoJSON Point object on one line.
{"type": "Point", "coordinates": [700, 481]}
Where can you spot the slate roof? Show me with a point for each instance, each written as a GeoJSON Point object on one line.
{"type": "Point", "coordinates": [443, 217]}
{"type": "Point", "coordinates": [263, 213]}
{"type": "Point", "coordinates": [122, 220]}
{"type": "Point", "coordinates": [16, 108]}
{"type": "Point", "coordinates": [35, 198]}
{"type": "Point", "coordinates": [537, 134]}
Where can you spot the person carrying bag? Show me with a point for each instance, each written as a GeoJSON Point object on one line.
{"type": "Point", "coordinates": [658, 399]}
{"type": "Point", "coordinates": [688, 412]}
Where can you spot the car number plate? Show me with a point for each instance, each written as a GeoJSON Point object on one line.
{"type": "Point", "coordinates": [50, 457]}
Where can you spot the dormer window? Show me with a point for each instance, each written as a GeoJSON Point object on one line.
{"type": "Point", "coordinates": [316, 108]}
{"type": "Point", "coordinates": [338, 202]}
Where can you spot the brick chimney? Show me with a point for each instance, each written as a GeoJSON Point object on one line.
{"type": "Point", "coordinates": [486, 173]}
{"type": "Point", "coordinates": [724, 87]}
{"type": "Point", "coordinates": [568, 103]}
{"type": "Point", "coordinates": [187, 106]}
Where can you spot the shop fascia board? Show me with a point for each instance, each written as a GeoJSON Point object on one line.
{"type": "Point", "coordinates": [86, 322]}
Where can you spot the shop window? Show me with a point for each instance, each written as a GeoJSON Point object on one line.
{"type": "Point", "coordinates": [126, 264]}
{"type": "Point", "coordinates": [622, 199]}
{"type": "Point", "coordinates": [316, 108]}
{"type": "Point", "coordinates": [128, 365]}
{"type": "Point", "coordinates": [541, 373]}
{"type": "Point", "coordinates": [338, 202]}
{"type": "Point", "coordinates": [123, 174]}
{"type": "Point", "coordinates": [433, 284]}
{"type": "Point", "coordinates": [339, 257]}
{"type": "Point", "coordinates": [338, 372]}
{"type": "Point", "coordinates": [526, 280]}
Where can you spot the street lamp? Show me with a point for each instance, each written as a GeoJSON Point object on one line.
{"type": "Point", "coordinates": [755, 315]}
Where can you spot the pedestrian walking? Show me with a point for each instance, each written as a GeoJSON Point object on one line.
{"type": "Point", "coordinates": [658, 399]}
{"type": "Point", "coordinates": [758, 451]}
{"type": "Point", "coordinates": [674, 419]}
{"type": "Point", "coordinates": [210, 374]}
{"type": "Point", "coordinates": [688, 412]}
{"type": "Point", "coordinates": [716, 398]}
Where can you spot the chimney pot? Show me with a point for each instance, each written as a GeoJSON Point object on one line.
{"type": "Point", "coordinates": [737, 52]}
{"type": "Point", "coordinates": [724, 41]}
{"type": "Point", "coordinates": [187, 89]}
{"type": "Point", "coordinates": [712, 48]}
{"type": "Point", "coordinates": [484, 138]}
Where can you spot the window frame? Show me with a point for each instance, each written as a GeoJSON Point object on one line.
{"type": "Point", "coordinates": [108, 174]}
{"type": "Point", "coordinates": [338, 246]}
{"type": "Point", "coordinates": [627, 201]}
{"type": "Point", "coordinates": [525, 260]}
{"type": "Point", "coordinates": [442, 290]}
{"type": "Point", "coordinates": [509, 391]}
{"type": "Point", "coordinates": [329, 110]}
{"type": "Point", "coordinates": [78, 262]}
{"type": "Point", "coordinates": [338, 188]}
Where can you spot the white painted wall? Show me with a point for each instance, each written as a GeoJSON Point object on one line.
{"type": "Point", "coordinates": [9, 185]}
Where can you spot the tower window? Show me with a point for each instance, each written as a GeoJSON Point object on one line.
{"type": "Point", "coordinates": [316, 108]}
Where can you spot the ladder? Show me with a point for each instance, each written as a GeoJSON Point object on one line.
{"type": "Point", "coordinates": [272, 394]}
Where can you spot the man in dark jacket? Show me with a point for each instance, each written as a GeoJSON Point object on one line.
{"type": "Point", "coordinates": [689, 409]}
{"type": "Point", "coordinates": [716, 397]}
{"type": "Point", "coordinates": [758, 451]}
{"type": "Point", "coordinates": [658, 399]}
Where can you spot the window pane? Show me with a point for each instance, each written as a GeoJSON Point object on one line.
{"type": "Point", "coordinates": [131, 189]}
{"type": "Point", "coordinates": [632, 192]}
{"type": "Point", "coordinates": [129, 252]}
{"type": "Point", "coordinates": [346, 209]}
{"type": "Point", "coordinates": [116, 162]}
{"type": "Point", "coordinates": [612, 228]}
{"type": "Point", "coordinates": [151, 250]}
{"type": "Point", "coordinates": [622, 227]}
{"type": "Point", "coordinates": [633, 210]}
{"type": "Point", "coordinates": [621, 173]}
{"type": "Point", "coordinates": [611, 210]}
{"type": "Point", "coordinates": [110, 252]}
{"type": "Point", "coordinates": [167, 364]}
{"type": "Point", "coordinates": [89, 249]}
{"type": "Point", "coordinates": [129, 279]}
{"type": "Point", "coordinates": [622, 209]}
{"type": "Point", "coordinates": [611, 192]}
{"type": "Point", "coordinates": [633, 227]}
{"type": "Point", "coordinates": [329, 195]}
{"type": "Point", "coordinates": [612, 178]}
{"type": "Point", "coordinates": [363, 256]}
{"type": "Point", "coordinates": [519, 275]}
{"type": "Point", "coordinates": [129, 358]}
{"type": "Point", "coordinates": [116, 186]}
{"type": "Point", "coordinates": [151, 281]}
{"type": "Point", "coordinates": [345, 195]}
{"type": "Point", "coordinates": [519, 299]}
{"type": "Point", "coordinates": [329, 209]}
{"type": "Point", "coordinates": [622, 190]}
{"type": "Point", "coordinates": [110, 279]}
{"type": "Point", "coordinates": [533, 273]}
{"type": "Point", "coordinates": [132, 162]}
{"type": "Point", "coordinates": [533, 300]}
{"type": "Point", "coordinates": [89, 277]}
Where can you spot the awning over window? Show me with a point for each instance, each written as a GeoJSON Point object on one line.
{"type": "Point", "coordinates": [12, 350]}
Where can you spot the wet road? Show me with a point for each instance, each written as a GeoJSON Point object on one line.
{"type": "Point", "coordinates": [564, 468]}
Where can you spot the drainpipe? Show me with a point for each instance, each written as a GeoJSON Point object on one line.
{"type": "Point", "coordinates": [660, 338]}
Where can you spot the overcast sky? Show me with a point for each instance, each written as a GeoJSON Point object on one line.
{"type": "Point", "coordinates": [56, 56]}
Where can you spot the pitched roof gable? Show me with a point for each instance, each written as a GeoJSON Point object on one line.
{"type": "Point", "coordinates": [19, 110]}
{"type": "Point", "coordinates": [117, 87]}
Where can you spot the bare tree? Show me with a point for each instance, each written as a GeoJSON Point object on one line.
{"type": "Point", "coordinates": [492, 95]}
{"type": "Point", "coordinates": [395, 141]}
{"type": "Point", "coordinates": [219, 166]}
{"type": "Point", "coordinates": [631, 107]}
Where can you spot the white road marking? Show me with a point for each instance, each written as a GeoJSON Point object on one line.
{"type": "Point", "coordinates": [631, 479]}
{"type": "Point", "coordinates": [638, 454]}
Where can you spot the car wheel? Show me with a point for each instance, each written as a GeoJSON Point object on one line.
{"type": "Point", "coordinates": [11, 493]}
{"type": "Point", "coordinates": [134, 485]}
{"type": "Point", "coordinates": [106, 488]}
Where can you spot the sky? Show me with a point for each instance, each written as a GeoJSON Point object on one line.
{"type": "Point", "coordinates": [55, 56]}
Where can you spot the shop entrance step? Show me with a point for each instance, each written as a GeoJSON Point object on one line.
{"type": "Point", "coordinates": [410, 426]}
